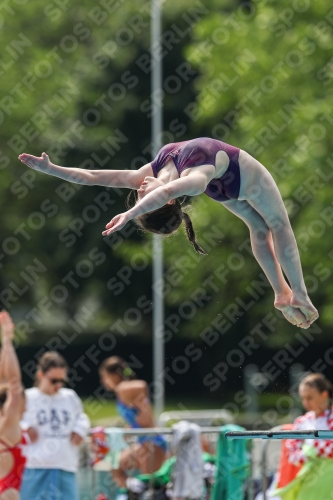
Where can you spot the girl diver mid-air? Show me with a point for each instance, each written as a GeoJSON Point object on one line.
{"type": "Point", "coordinates": [229, 176]}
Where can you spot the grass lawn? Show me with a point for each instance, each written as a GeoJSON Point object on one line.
{"type": "Point", "coordinates": [100, 412]}
{"type": "Point", "coordinates": [105, 412]}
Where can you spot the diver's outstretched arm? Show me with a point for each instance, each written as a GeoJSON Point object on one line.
{"type": "Point", "coordinates": [131, 179]}
{"type": "Point", "coordinates": [185, 186]}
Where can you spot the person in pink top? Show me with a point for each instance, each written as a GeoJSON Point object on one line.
{"type": "Point", "coordinates": [229, 176]}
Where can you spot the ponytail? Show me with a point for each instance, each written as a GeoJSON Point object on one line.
{"type": "Point", "coordinates": [166, 220]}
{"type": "Point", "coordinates": [191, 234]}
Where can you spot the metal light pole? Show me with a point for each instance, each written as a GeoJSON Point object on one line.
{"type": "Point", "coordinates": [156, 139]}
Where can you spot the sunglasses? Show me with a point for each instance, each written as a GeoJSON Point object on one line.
{"type": "Point", "coordinates": [54, 381]}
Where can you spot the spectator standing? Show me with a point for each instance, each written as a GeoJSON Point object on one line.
{"type": "Point", "coordinates": [56, 425]}
{"type": "Point", "coordinates": [314, 480]}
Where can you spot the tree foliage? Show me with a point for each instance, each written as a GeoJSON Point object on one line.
{"type": "Point", "coordinates": [76, 84]}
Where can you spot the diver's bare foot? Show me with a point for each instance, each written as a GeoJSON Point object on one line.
{"type": "Point", "coordinates": [303, 303]}
{"type": "Point", "coordinates": [294, 315]}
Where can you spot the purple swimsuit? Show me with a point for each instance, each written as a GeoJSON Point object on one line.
{"type": "Point", "coordinates": [202, 151]}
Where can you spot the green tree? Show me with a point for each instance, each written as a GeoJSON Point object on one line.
{"type": "Point", "coordinates": [265, 85]}
{"type": "Point", "coordinates": [76, 84]}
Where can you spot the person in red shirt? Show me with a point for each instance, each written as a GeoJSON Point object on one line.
{"type": "Point", "coordinates": [316, 393]}
{"type": "Point", "coordinates": [12, 403]}
{"type": "Point", "coordinates": [313, 456]}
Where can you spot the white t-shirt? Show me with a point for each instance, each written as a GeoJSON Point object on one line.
{"type": "Point", "coordinates": [54, 418]}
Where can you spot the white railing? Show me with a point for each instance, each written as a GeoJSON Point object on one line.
{"type": "Point", "coordinates": [97, 480]}
{"type": "Point", "coordinates": [261, 462]}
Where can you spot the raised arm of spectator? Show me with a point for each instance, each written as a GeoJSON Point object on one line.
{"type": "Point", "coordinates": [11, 373]}
{"type": "Point", "coordinates": [9, 364]}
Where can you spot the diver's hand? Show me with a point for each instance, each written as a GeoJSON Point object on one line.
{"type": "Point", "coordinates": [40, 163]}
{"type": "Point", "coordinates": [117, 223]}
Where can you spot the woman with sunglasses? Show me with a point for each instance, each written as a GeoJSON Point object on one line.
{"type": "Point", "coordinates": [56, 425]}
{"type": "Point", "coordinates": [227, 175]}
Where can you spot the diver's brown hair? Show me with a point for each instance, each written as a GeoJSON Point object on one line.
{"type": "Point", "coordinates": [166, 220]}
